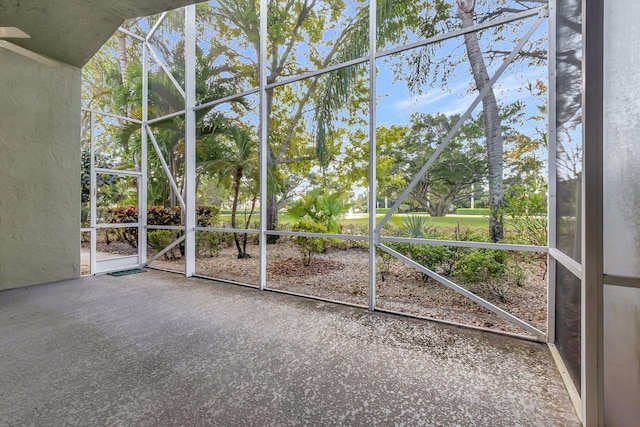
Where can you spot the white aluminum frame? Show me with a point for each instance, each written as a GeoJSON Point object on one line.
{"type": "Point", "coordinates": [552, 174]}
{"type": "Point", "coordinates": [593, 214]}
{"type": "Point", "coordinates": [374, 238]}
{"type": "Point", "coordinates": [374, 231]}
{"type": "Point", "coordinates": [190, 146]}
{"type": "Point", "coordinates": [589, 269]}
{"type": "Point", "coordinates": [264, 138]}
{"type": "Point", "coordinates": [114, 263]}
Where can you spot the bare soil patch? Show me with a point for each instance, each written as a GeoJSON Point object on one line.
{"type": "Point", "coordinates": [292, 267]}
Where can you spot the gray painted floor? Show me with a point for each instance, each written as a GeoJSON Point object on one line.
{"type": "Point", "coordinates": [155, 349]}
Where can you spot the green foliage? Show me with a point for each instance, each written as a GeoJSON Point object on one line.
{"type": "Point", "coordinates": [474, 211]}
{"type": "Point", "coordinates": [320, 207]}
{"type": "Point", "coordinates": [160, 239]}
{"type": "Point", "coordinates": [309, 246]}
{"type": "Point", "coordinates": [85, 178]}
{"type": "Point", "coordinates": [516, 274]}
{"type": "Point", "coordinates": [239, 211]}
{"type": "Point", "coordinates": [156, 215]}
{"type": "Point", "coordinates": [417, 226]}
{"type": "Point", "coordinates": [481, 265]}
{"type": "Point", "coordinates": [525, 207]}
{"type": "Point", "coordinates": [440, 259]}
{"type": "Point", "coordinates": [125, 215]}
{"type": "Point", "coordinates": [382, 210]}
{"type": "Point", "coordinates": [482, 269]}
{"type": "Point", "coordinates": [207, 216]}
{"type": "Point", "coordinates": [159, 215]}
{"type": "Point", "coordinates": [460, 166]}
{"type": "Point", "coordinates": [210, 243]}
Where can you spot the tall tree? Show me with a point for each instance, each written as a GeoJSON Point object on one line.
{"type": "Point", "coordinates": [237, 160]}
{"type": "Point", "coordinates": [452, 177]}
{"type": "Point", "coordinates": [305, 35]}
{"type": "Point", "coordinates": [424, 63]}
{"type": "Point", "coordinates": [492, 123]}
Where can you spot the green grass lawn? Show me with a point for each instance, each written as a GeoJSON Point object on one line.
{"type": "Point", "coordinates": [476, 223]}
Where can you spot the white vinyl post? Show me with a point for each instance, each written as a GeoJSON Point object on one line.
{"type": "Point", "coordinates": [145, 167]}
{"type": "Point", "coordinates": [373, 232]}
{"type": "Point", "coordinates": [190, 140]}
{"type": "Point", "coordinates": [93, 194]}
{"type": "Point", "coordinates": [262, 64]}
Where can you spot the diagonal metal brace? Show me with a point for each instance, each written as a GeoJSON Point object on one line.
{"type": "Point", "coordinates": [165, 250]}
{"type": "Point", "coordinates": [166, 69]}
{"type": "Point", "coordinates": [165, 167]}
{"type": "Point", "coordinates": [473, 297]}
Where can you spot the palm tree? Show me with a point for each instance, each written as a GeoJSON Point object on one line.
{"type": "Point", "coordinates": [288, 20]}
{"type": "Point", "coordinates": [169, 133]}
{"type": "Point", "coordinates": [237, 162]}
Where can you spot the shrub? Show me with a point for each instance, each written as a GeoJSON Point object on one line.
{"type": "Point", "coordinates": [239, 211]}
{"type": "Point", "coordinates": [516, 274]}
{"type": "Point", "coordinates": [156, 215]}
{"type": "Point", "coordinates": [322, 207]}
{"type": "Point", "coordinates": [207, 216]}
{"type": "Point", "coordinates": [475, 211]}
{"type": "Point", "coordinates": [481, 265]}
{"type": "Point", "coordinates": [441, 259]}
{"type": "Point", "coordinates": [160, 239]}
{"type": "Point", "coordinates": [309, 246]}
{"type": "Point", "coordinates": [159, 215]}
{"type": "Point", "coordinates": [355, 229]}
{"type": "Point", "coordinates": [125, 215]}
{"type": "Point", "coordinates": [382, 210]}
{"type": "Point", "coordinates": [210, 243]}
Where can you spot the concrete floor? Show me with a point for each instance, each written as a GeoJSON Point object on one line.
{"type": "Point", "coordinates": [155, 349]}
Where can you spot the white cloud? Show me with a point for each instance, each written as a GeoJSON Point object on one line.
{"type": "Point", "coordinates": [419, 101]}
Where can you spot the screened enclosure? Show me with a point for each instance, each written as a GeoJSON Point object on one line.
{"type": "Point", "coordinates": [422, 158]}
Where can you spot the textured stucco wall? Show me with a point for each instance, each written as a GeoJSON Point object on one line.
{"type": "Point", "coordinates": [39, 172]}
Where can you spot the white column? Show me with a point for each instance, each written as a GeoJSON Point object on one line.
{"type": "Point", "coordinates": [373, 232]}
{"type": "Point", "coordinates": [262, 64]}
{"type": "Point", "coordinates": [592, 271]}
{"type": "Point", "coordinates": [190, 140]}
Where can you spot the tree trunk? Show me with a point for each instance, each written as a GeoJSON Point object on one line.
{"type": "Point", "coordinates": [248, 222]}
{"type": "Point", "coordinates": [236, 195]}
{"type": "Point", "coordinates": [272, 196]}
{"type": "Point", "coordinates": [173, 167]}
{"type": "Point", "coordinates": [272, 216]}
{"type": "Point", "coordinates": [491, 120]}
{"type": "Point", "coordinates": [122, 56]}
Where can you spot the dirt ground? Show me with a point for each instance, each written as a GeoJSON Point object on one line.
{"type": "Point", "coordinates": [342, 274]}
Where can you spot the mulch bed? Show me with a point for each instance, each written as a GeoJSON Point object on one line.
{"type": "Point", "coordinates": [293, 267]}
